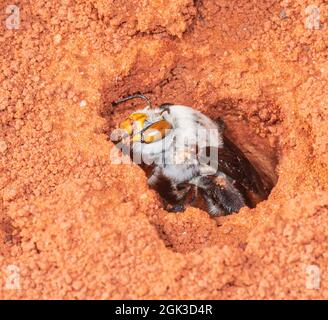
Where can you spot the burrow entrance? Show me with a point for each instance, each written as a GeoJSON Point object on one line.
{"type": "Point", "coordinates": [252, 125]}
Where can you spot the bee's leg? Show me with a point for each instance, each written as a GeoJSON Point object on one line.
{"type": "Point", "coordinates": [176, 208]}
{"type": "Point", "coordinates": [220, 194]}
{"type": "Point", "coordinates": [194, 196]}
{"type": "Point", "coordinates": [214, 208]}
{"type": "Point", "coordinates": [180, 192]}
{"type": "Point", "coordinates": [173, 195]}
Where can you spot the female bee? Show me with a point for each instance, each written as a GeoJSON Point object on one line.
{"type": "Point", "coordinates": [187, 155]}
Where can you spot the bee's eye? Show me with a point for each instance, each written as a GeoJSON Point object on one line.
{"type": "Point", "coordinates": [156, 131]}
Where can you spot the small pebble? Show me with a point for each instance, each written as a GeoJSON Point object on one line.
{"type": "Point", "coordinates": [83, 103]}
{"type": "Point", "coordinates": [9, 194]}
{"type": "Point", "coordinates": [84, 52]}
{"type": "Point", "coordinates": [264, 115]}
{"type": "Point", "coordinates": [97, 185]}
{"type": "Point", "coordinates": [57, 38]}
{"type": "Point", "coordinates": [47, 126]}
{"type": "Point", "coordinates": [77, 285]}
{"type": "Point", "coordinates": [3, 146]}
{"type": "Point", "coordinates": [227, 229]}
{"type": "Point", "coordinates": [283, 14]}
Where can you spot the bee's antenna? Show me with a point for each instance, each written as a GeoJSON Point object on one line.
{"type": "Point", "coordinates": [134, 96]}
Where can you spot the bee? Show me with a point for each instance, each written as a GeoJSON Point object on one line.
{"type": "Point", "coordinates": [188, 158]}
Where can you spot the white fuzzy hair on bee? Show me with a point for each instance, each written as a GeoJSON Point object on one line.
{"type": "Point", "coordinates": [186, 154]}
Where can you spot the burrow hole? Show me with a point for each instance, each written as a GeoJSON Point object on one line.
{"type": "Point", "coordinates": [252, 125]}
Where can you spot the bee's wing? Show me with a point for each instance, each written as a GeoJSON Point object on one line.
{"type": "Point", "coordinates": [230, 160]}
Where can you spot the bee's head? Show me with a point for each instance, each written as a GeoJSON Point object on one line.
{"type": "Point", "coordinates": [145, 126]}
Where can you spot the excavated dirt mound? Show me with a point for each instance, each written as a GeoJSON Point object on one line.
{"type": "Point", "coordinates": [75, 225]}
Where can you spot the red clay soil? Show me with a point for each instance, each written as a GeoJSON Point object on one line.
{"type": "Point", "coordinates": [75, 225]}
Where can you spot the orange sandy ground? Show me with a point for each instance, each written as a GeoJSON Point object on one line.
{"type": "Point", "coordinates": [78, 226]}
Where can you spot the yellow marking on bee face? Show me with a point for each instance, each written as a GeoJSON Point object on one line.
{"type": "Point", "coordinates": [127, 125]}
{"type": "Point", "coordinates": [156, 131]}
{"type": "Point", "coordinates": [135, 122]}
{"type": "Point", "coordinates": [138, 116]}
